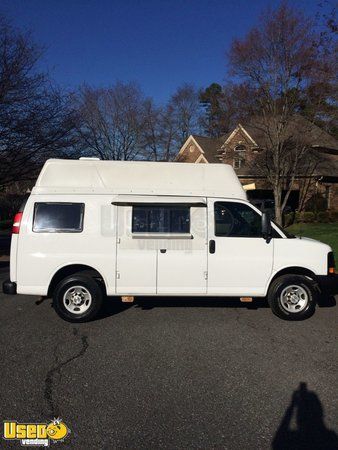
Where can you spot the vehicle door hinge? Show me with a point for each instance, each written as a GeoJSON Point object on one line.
{"type": "Point", "coordinates": [117, 274]}
{"type": "Point", "coordinates": [118, 240]}
{"type": "Point", "coordinates": [205, 275]}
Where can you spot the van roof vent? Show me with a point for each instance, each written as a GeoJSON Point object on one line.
{"type": "Point", "coordinates": [89, 158]}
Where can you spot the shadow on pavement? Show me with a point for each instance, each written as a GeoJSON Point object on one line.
{"type": "Point", "coordinates": [310, 431]}
{"type": "Point", "coordinates": [197, 302]}
{"type": "Point", "coordinates": [326, 301]}
{"type": "Point", "coordinates": [111, 307]}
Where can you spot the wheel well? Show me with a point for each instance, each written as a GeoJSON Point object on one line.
{"type": "Point", "coordinates": [295, 271]}
{"type": "Point", "coordinates": [71, 270]}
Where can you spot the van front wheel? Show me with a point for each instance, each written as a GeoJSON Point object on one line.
{"type": "Point", "coordinates": [77, 298]}
{"type": "Point", "coordinates": [292, 297]}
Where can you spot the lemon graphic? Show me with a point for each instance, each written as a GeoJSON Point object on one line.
{"type": "Point", "coordinates": [57, 430]}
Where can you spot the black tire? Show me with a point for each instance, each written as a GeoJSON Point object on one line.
{"type": "Point", "coordinates": [277, 304]}
{"type": "Point", "coordinates": [89, 285]}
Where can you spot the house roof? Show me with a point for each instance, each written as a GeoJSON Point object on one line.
{"type": "Point", "coordinates": [298, 128]}
{"type": "Point", "coordinates": [210, 146]}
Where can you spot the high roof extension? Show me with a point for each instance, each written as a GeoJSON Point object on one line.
{"type": "Point", "coordinates": [62, 176]}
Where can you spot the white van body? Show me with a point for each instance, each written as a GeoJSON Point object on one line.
{"type": "Point", "coordinates": [132, 262]}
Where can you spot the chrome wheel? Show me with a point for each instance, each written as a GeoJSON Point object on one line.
{"type": "Point", "coordinates": [294, 298]}
{"type": "Point", "coordinates": [77, 299]}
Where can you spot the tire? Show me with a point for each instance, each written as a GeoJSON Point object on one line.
{"type": "Point", "coordinates": [77, 298]}
{"type": "Point", "coordinates": [293, 297]}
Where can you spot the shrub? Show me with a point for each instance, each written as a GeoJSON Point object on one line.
{"type": "Point", "coordinates": [299, 217]}
{"type": "Point", "coordinates": [334, 216]}
{"type": "Point", "coordinates": [308, 217]}
{"type": "Point", "coordinates": [289, 219]}
{"type": "Point", "coordinates": [323, 216]}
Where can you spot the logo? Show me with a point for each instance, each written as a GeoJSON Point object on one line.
{"type": "Point", "coordinates": [36, 434]}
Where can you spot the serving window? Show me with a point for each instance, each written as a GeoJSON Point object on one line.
{"type": "Point", "coordinates": [161, 219]}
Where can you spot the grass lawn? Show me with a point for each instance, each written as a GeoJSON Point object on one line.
{"type": "Point", "coordinates": [324, 232]}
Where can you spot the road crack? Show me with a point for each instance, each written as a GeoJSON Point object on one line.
{"type": "Point", "coordinates": [56, 370]}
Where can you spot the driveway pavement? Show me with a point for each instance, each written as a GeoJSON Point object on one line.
{"type": "Point", "coordinates": [172, 374]}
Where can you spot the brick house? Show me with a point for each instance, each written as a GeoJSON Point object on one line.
{"type": "Point", "coordinates": [241, 146]}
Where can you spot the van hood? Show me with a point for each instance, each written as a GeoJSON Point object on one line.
{"type": "Point", "coordinates": [309, 241]}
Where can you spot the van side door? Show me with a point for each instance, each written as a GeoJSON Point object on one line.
{"type": "Point", "coordinates": [239, 259]}
{"type": "Point", "coordinates": [162, 248]}
{"type": "Point", "coordinates": [182, 253]}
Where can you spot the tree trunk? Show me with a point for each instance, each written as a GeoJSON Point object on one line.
{"type": "Point", "coordinates": [277, 193]}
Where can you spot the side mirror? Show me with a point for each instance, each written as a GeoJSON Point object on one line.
{"type": "Point", "coordinates": [266, 227]}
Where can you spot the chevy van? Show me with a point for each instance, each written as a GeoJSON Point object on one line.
{"type": "Point", "coordinates": [92, 229]}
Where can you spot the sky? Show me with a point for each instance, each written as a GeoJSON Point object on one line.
{"type": "Point", "coordinates": [159, 44]}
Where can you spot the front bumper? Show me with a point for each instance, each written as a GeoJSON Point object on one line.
{"type": "Point", "coordinates": [328, 283]}
{"type": "Point", "coordinates": [9, 287]}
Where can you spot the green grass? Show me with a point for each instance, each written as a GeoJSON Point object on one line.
{"type": "Point", "coordinates": [324, 232]}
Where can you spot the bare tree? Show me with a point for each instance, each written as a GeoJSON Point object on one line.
{"type": "Point", "coordinates": [160, 133]}
{"type": "Point", "coordinates": [110, 121]}
{"type": "Point", "coordinates": [152, 130]}
{"type": "Point", "coordinates": [185, 108]}
{"type": "Point", "coordinates": [35, 122]}
{"type": "Point", "coordinates": [276, 64]}
{"type": "Point", "coordinates": [169, 135]}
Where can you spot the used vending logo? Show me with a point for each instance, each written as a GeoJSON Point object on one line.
{"type": "Point", "coordinates": [39, 434]}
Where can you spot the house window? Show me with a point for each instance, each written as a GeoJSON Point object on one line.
{"type": "Point", "coordinates": [239, 156]}
{"type": "Point", "coordinates": [58, 217]}
{"type": "Point", "coordinates": [161, 219]}
{"type": "Point", "coordinates": [237, 163]}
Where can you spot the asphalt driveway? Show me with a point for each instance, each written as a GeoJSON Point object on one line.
{"type": "Point", "coordinates": [172, 374]}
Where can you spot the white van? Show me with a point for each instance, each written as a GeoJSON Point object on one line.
{"type": "Point", "coordinates": [92, 229]}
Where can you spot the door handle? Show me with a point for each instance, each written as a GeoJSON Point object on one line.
{"type": "Point", "coordinates": [212, 246]}
{"type": "Point", "coordinates": [163, 250]}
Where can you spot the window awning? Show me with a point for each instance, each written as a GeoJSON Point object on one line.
{"type": "Point", "coordinates": [129, 200]}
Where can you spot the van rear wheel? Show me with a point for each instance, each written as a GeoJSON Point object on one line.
{"type": "Point", "coordinates": [77, 298]}
{"type": "Point", "coordinates": [292, 297]}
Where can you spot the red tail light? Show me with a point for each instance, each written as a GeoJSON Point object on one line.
{"type": "Point", "coordinates": [17, 223]}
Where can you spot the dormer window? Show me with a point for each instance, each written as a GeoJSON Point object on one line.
{"type": "Point", "coordinates": [239, 156]}
{"type": "Point", "coordinates": [237, 163]}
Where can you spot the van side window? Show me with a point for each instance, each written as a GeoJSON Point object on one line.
{"type": "Point", "coordinates": [161, 219]}
{"type": "Point", "coordinates": [236, 220]}
{"type": "Point", "coordinates": [58, 217]}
